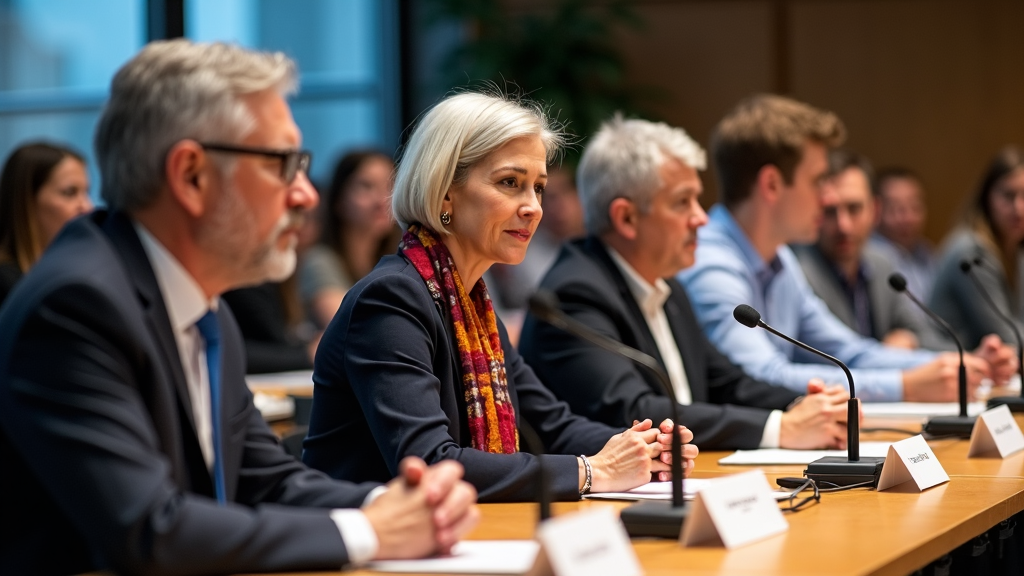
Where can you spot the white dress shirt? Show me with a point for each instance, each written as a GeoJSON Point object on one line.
{"type": "Point", "coordinates": [186, 304]}
{"type": "Point", "coordinates": [651, 300]}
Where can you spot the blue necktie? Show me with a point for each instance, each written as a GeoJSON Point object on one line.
{"type": "Point", "coordinates": [210, 330]}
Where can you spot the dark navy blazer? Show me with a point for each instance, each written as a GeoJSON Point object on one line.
{"type": "Point", "coordinates": [729, 408]}
{"type": "Point", "coordinates": [387, 384]}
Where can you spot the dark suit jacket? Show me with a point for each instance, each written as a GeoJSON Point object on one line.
{"type": "Point", "coordinates": [261, 317]}
{"type": "Point", "coordinates": [101, 464]}
{"type": "Point", "coordinates": [889, 309]}
{"type": "Point", "coordinates": [387, 384]}
{"type": "Point", "coordinates": [729, 408]}
{"type": "Point", "coordinates": [10, 274]}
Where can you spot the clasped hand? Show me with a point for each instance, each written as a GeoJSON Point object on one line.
{"type": "Point", "coordinates": [424, 511]}
{"type": "Point", "coordinates": [629, 459]}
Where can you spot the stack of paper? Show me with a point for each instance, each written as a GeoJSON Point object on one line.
{"type": "Point", "coordinates": [471, 557]}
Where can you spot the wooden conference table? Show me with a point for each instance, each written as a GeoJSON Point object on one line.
{"type": "Point", "coordinates": [847, 533]}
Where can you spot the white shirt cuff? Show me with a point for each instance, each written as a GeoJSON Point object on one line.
{"type": "Point", "coordinates": [360, 539]}
{"type": "Point", "coordinates": [772, 429]}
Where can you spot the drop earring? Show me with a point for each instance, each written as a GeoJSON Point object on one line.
{"type": "Point", "coordinates": [446, 217]}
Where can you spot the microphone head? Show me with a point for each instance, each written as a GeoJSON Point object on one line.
{"type": "Point", "coordinates": [965, 266]}
{"type": "Point", "coordinates": [746, 315]}
{"type": "Point", "coordinates": [544, 304]}
{"type": "Point", "coordinates": [898, 282]}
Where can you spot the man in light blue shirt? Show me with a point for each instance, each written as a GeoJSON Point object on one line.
{"type": "Point", "coordinates": [770, 154]}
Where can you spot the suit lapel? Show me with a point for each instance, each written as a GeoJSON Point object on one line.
{"type": "Point", "coordinates": [693, 362]}
{"type": "Point", "coordinates": [645, 340]}
{"type": "Point", "coordinates": [122, 234]}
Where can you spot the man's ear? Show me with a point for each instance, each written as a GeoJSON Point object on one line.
{"type": "Point", "coordinates": [769, 183]}
{"type": "Point", "coordinates": [623, 215]}
{"type": "Point", "coordinates": [187, 172]}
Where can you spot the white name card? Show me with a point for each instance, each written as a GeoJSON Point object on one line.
{"type": "Point", "coordinates": [733, 511]}
{"type": "Point", "coordinates": [912, 460]}
{"type": "Point", "coordinates": [996, 432]}
{"type": "Point", "coordinates": [589, 543]}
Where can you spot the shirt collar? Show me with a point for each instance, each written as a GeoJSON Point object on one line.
{"type": "Point", "coordinates": [651, 298]}
{"type": "Point", "coordinates": [185, 300]}
{"type": "Point", "coordinates": [764, 271]}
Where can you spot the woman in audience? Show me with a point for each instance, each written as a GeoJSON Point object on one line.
{"type": "Point", "coordinates": [416, 362]}
{"type": "Point", "coordinates": [42, 186]}
{"type": "Point", "coordinates": [990, 240]}
{"type": "Point", "coordinates": [357, 231]}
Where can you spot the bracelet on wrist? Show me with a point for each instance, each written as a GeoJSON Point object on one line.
{"type": "Point", "coordinates": [590, 476]}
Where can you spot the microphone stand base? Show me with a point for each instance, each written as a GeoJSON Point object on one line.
{"type": "Point", "coordinates": [657, 519]}
{"type": "Point", "coordinates": [840, 471]}
{"type": "Point", "coordinates": [959, 426]}
{"type": "Point", "coordinates": [1016, 403]}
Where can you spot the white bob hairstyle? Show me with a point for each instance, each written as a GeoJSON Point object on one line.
{"type": "Point", "coordinates": [455, 134]}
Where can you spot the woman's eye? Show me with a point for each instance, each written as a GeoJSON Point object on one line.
{"type": "Point", "coordinates": [69, 192]}
{"type": "Point", "coordinates": [539, 190]}
{"type": "Point", "coordinates": [509, 182]}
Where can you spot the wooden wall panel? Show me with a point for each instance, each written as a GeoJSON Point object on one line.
{"type": "Point", "coordinates": [937, 85]}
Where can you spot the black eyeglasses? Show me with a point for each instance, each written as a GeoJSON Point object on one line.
{"type": "Point", "coordinates": [291, 160]}
{"type": "Point", "coordinates": [796, 504]}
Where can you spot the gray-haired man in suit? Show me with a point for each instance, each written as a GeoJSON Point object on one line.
{"type": "Point", "coordinates": [129, 439]}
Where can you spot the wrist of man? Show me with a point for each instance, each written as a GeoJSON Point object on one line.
{"type": "Point", "coordinates": [771, 436]}
{"type": "Point", "coordinates": [358, 534]}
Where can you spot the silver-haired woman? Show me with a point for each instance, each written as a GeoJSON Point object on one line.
{"type": "Point", "coordinates": [416, 363]}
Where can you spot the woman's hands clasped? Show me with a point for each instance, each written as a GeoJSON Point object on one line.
{"type": "Point", "coordinates": [629, 458]}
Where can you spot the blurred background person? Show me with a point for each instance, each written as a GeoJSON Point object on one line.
{"type": "Point", "coordinates": [356, 231]}
{"type": "Point", "coordinates": [849, 274]}
{"type": "Point", "coordinates": [42, 187]}
{"type": "Point", "coordinates": [899, 227]}
{"type": "Point", "coordinates": [992, 231]}
{"type": "Point", "coordinates": [416, 361]}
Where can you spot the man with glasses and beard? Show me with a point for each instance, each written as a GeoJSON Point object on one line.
{"type": "Point", "coordinates": [129, 439]}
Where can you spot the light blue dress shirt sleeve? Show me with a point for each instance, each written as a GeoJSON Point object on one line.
{"type": "Point", "coordinates": [728, 272]}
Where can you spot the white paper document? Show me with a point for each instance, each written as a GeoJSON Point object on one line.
{"type": "Point", "coordinates": [663, 491]}
{"type": "Point", "coordinates": [296, 379]}
{"type": "Point", "coordinates": [471, 557]}
{"type": "Point", "coordinates": [917, 409]}
{"type": "Point", "coordinates": [770, 456]}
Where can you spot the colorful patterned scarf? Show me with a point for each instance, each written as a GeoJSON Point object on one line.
{"type": "Point", "coordinates": [492, 420]}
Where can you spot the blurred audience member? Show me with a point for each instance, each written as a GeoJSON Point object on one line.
{"type": "Point", "coordinates": [990, 239]}
{"type": "Point", "coordinates": [851, 276]}
{"type": "Point", "coordinates": [277, 337]}
{"type": "Point", "coordinates": [357, 231]}
{"type": "Point", "coordinates": [899, 227]}
{"type": "Point", "coordinates": [42, 187]}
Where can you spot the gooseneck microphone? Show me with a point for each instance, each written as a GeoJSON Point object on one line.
{"type": "Point", "coordinates": [942, 425]}
{"type": "Point", "coordinates": [646, 518]}
{"type": "Point", "coordinates": [543, 485]}
{"type": "Point", "coordinates": [1016, 403]}
{"type": "Point", "coordinates": [836, 470]}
